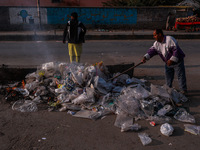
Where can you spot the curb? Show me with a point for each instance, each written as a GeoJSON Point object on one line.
{"type": "Point", "coordinates": [89, 37]}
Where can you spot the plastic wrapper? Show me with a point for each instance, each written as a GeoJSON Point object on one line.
{"type": "Point", "coordinates": [137, 92]}
{"type": "Point", "coordinates": [164, 110]}
{"type": "Point", "coordinates": [87, 114]}
{"type": "Point", "coordinates": [63, 98]}
{"type": "Point", "coordinates": [178, 97]}
{"type": "Point", "coordinates": [193, 129]}
{"type": "Point", "coordinates": [37, 100]}
{"type": "Point", "coordinates": [127, 127]}
{"type": "Point", "coordinates": [147, 107]}
{"type": "Point", "coordinates": [183, 116]}
{"type": "Point", "coordinates": [160, 91]}
{"type": "Point", "coordinates": [144, 138]}
{"type": "Point", "coordinates": [24, 92]}
{"type": "Point", "coordinates": [166, 129]}
{"type": "Point", "coordinates": [117, 89]}
{"type": "Point", "coordinates": [121, 80]}
{"type": "Point", "coordinates": [25, 106]}
{"type": "Point", "coordinates": [130, 106]}
{"type": "Point", "coordinates": [102, 86]}
{"type": "Point", "coordinates": [86, 97]}
{"type": "Point", "coordinates": [69, 106]}
{"type": "Point", "coordinates": [159, 119]}
{"type": "Point", "coordinates": [122, 118]}
{"type": "Point", "coordinates": [135, 81]}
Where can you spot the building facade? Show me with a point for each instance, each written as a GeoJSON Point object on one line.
{"type": "Point", "coordinates": [53, 3]}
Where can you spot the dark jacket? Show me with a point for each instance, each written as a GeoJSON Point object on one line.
{"type": "Point", "coordinates": [74, 32]}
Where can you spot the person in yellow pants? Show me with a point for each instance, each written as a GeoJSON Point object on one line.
{"type": "Point", "coordinates": [75, 33]}
{"type": "Point", "coordinates": [75, 51]}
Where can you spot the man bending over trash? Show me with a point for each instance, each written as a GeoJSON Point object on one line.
{"type": "Point", "coordinates": [170, 52]}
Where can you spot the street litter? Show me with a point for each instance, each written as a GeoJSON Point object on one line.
{"type": "Point", "coordinates": [145, 139]}
{"type": "Point", "coordinates": [86, 91]}
{"type": "Point", "coordinates": [166, 129]}
{"type": "Point", "coordinates": [193, 129]}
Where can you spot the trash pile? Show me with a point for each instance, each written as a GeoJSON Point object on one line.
{"type": "Point", "coordinates": [84, 90]}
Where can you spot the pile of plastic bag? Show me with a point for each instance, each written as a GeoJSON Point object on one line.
{"type": "Point", "coordinates": [85, 91]}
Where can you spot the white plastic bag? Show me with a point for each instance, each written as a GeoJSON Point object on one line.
{"type": "Point", "coordinates": [166, 129]}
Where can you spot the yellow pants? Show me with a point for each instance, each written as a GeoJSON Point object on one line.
{"type": "Point", "coordinates": [75, 51]}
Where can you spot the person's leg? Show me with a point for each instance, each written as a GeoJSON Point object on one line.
{"type": "Point", "coordinates": [180, 71]}
{"type": "Point", "coordinates": [78, 51]}
{"type": "Point", "coordinates": [169, 75]}
{"type": "Point", "coordinates": [71, 48]}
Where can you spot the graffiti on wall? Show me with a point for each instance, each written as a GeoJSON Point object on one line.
{"type": "Point", "coordinates": [24, 14]}
{"type": "Point", "coordinates": [27, 15]}
{"type": "Point", "coordinates": [110, 16]}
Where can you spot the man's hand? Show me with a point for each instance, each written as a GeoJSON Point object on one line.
{"type": "Point", "coordinates": [144, 60]}
{"type": "Point", "coordinates": [170, 62]}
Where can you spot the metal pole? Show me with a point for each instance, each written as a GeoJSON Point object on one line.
{"type": "Point", "coordinates": [39, 14]}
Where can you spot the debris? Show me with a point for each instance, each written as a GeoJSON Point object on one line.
{"type": "Point", "coordinates": [144, 138]}
{"type": "Point", "coordinates": [83, 90]}
{"type": "Point", "coordinates": [166, 129]}
{"type": "Point", "coordinates": [193, 129]}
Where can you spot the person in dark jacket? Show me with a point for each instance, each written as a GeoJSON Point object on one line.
{"type": "Point", "coordinates": [74, 33]}
{"type": "Point", "coordinates": [170, 52]}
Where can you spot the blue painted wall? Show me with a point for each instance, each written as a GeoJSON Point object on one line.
{"type": "Point", "coordinates": [92, 16]}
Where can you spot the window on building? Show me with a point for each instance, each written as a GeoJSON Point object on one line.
{"type": "Point", "coordinates": [56, 1]}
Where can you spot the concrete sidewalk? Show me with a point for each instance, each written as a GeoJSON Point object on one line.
{"type": "Point", "coordinates": [100, 34]}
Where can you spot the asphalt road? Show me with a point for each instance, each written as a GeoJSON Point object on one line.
{"type": "Point", "coordinates": [62, 131]}
{"type": "Point", "coordinates": [110, 52]}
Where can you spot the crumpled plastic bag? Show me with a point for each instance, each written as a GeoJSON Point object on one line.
{"type": "Point", "coordinates": [136, 91]}
{"type": "Point", "coordinates": [164, 110]}
{"type": "Point", "coordinates": [86, 97]}
{"type": "Point", "coordinates": [127, 127]}
{"type": "Point", "coordinates": [102, 86]}
{"type": "Point", "coordinates": [193, 129]}
{"type": "Point", "coordinates": [25, 106]}
{"type": "Point", "coordinates": [122, 118]}
{"type": "Point", "coordinates": [160, 91]}
{"type": "Point", "coordinates": [183, 116]}
{"type": "Point", "coordinates": [166, 129]}
{"type": "Point", "coordinates": [130, 106]}
{"type": "Point", "coordinates": [144, 138]}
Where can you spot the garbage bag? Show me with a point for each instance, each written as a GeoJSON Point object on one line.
{"type": "Point", "coordinates": [166, 129]}
{"type": "Point", "coordinates": [144, 138]}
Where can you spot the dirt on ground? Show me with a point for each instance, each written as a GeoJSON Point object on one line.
{"type": "Point", "coordinates": [44, 130]}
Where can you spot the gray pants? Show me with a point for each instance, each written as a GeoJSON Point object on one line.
{"type": "Point", "coordinates": [179, 69]}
